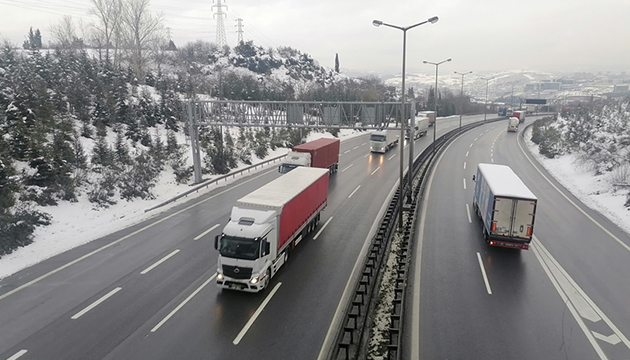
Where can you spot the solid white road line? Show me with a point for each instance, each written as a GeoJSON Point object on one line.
{"type": "Point", "coordinates": [159, 262]}
{"type": "Point", "coordinates": [483, 273]}
{"type": "Point", "coordinates": [156, 327]}
{"type": "Point", "coordinates": [322, 229]}
{"type": "Point", "coordinates": [572, 203]}
{"type": "Point", "coordinates": [468, 212]}
{"type": "Point", "coordinates": [464, 179]}
{"type": "Point", "coordinates": [355, 190]}
{"type": "Point", "coordinates": [391, 157]}
{"type": "Point", "coordinates": [95, 304]}
{"type": "Point", "coordinates": [375, 170]}
{"type": "Point", "coordinates": [18, 354]}
{"type": "Point", "coordinates": [347, 151]}
{"type": "Point", "coordinates": [349, 166]}
{"type": "Point", "coordinates": [464, 165]}
{"type": "Point", "coordinates": [249, 324]}
{"type": "Point", "coordinates": [205, 232]}
{"type": "Point", "coordinates": [127, 237]}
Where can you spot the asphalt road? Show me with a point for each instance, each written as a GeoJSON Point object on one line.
{"type": "Point", "coordinates": [566, 298]}
{"type": "Point", "coordinates": [148, 291]}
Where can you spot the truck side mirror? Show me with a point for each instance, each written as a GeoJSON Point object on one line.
{"type": "Point", "coordinates": [216, 242]}
{"type": "Point", "coordinates": [474, 178]}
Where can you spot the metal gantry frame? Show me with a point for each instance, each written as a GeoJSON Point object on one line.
{"type": "Point", "coordinates": [291, 114]}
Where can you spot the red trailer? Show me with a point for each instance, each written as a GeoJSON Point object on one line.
{"type": "Point", "coordinates": [320, 153]}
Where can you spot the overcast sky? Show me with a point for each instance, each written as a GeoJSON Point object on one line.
{"type": "Point", "coordinates": [479, 35]}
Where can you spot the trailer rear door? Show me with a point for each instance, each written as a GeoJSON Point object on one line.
{"type": "Point", "coordinates": [522, 225]}
{"type": "Point", "coordinates": [502, 218]}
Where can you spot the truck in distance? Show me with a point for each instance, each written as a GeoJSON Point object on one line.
{"type": "Point", "coordinates": [381, 141]}
{"type": "Point", "coordinates": [429, 114]}
{"type": "Point", "coordinates": [421, 127]}
{"type": "Point", "coordinates": [320, 153]}
{"type": "Point", "coordinates": [266, 224]}
{"type": "Point", "coordinates": [513, 124]}
{"type": "Point", "coordinates": [519, 114]}
{"type": "Point", "coordinates": [506, 207]}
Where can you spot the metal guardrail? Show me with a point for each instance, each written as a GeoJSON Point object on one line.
{"type": "Point", "coordinates": [215, 180]}
{"type": "Point", "coordinates": [350, 340]}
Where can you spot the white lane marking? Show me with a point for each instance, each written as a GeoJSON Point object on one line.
{"type": "Point", "coordinates": [375, 170]}
{"type": "Point", "coordinates": [322, 229]}
{"type": "Point", "coordinates": [467, 153]}
{"type": "Point", "coordinates": [468, 212]}
{"type": "Point", "coordinates": [464, 179]}
{"type": "Point", "coordinates": [356, 147]}
{"type": "Point", "coordinates": [368, 154]}
{"type": "Point", "coordinates": [363, 144]}
{"type": "Point", "coordinates": [347, 291]}
{"type": "Point", "coordinates": [159, 262]}
{"type": "Point", "coordinates": [391, 157]}
{"type": "Point", "coordinates": [127, 237]}
{"type": "Point", "coordinates": [572, 203]}
{"type": "Point", "coordinates": [471, 145]}
{"type": "Point", "coordinates": [355, 190]}
{"type": "Point", "coordinates": [249, 324]}
{"type": "Point", "coordinates": [349, 166]}
{"type": "Point", "coordinates": [483, 273]}
{"type": "Point", "coordinates": [612, 339]}
{"type": "Point", "coordinates": [491, 159]}
{"type": "Point", "coordinates": [17, 354]}
{"type": "Point", "coordinates": [347, 151]}
{"type": "Point", "coordinates": [476, 138]}
{"type": "Point", "coordinates": [156, 327]}
{"type": "Point", "coordinates": [569, 305]}
{"type": "Point", "coordinates": [96, 303]}
{"type": "Point", "coordinates": [572, 291]}
{"type": "Point", "coordinates": [205, 232]}
{"type": "Point", "coordinates": [464, 165]}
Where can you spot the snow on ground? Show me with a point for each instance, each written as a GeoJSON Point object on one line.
{"type": "Point", "coordinates": [75, 224]}
{"type": "Point", "coordinates": [594, 191]}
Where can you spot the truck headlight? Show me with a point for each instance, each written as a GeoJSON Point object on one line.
{"type": "Point", "coordinates": [219, 276]}
{"type": "Point", "coordinates": [254, 280]}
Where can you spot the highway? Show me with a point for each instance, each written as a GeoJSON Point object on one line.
{"type": "Point", "coordinates": [566, 298]}
{"type": "Point", "coordinates": [148, 291]}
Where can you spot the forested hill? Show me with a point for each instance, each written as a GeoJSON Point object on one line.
{"type": "Point", "coordinates": [81, 125]}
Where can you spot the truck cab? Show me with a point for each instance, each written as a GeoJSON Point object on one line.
{"type": "Point", "coordinates": [381, 141]}
{"type": "Point", "coordinates": [293, 160]}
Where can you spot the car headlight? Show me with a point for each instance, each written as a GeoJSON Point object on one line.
{"type": "Point", "coordinates": [254, 280]}
{"type": "Point", "coordinates": [219, 276]}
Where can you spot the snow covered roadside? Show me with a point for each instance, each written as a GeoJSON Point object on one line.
{"type": "Point", "coordinates": [75, 224]}
{"type": "Point", "coordinates": [595, 192]}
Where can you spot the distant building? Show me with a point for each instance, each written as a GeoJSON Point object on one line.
{"type": "Point", "coordinates": [621, 88]}
{"type": "Point", "coordinates": [550, 86]}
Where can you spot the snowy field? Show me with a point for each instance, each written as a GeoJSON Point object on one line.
{"type": "Point", "coordinates": [596, 192]}
{"type": "Point", "coordinates": [74, 224]}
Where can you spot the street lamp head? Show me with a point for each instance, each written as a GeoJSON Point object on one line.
{"type": "Point", "coordinates": [425, 62]}
{"type": "Point", "coordinates": [377, 23]}
{"type": "Point", "coordinates": [433, 20]}
{"type": "Point", "coordinates": [448, 59]}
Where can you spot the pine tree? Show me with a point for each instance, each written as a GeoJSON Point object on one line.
{"type": "Point", "coordinates": [121, 150]}
{"type": "Point", "coordinates": [102, 154]}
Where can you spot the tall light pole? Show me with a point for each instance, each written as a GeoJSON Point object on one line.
{"type": "Point", "coordinates": [485, 109]}
{"type": "Point", "coordinates": [435, 95]}
{"type": "Point", "coordinates": [461, 97]}
{"type": "Point", "coordinates": [401, 141]}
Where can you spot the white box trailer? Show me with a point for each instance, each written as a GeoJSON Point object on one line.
{"type": "Point", "coordinates": [506, 207]}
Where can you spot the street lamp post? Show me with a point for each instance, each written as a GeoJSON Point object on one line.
{"type": "Point", "coordinates": [485, 110]}
{"type": "Point", "coordinates": [435, 95]}
{"type": "Point", "coordinates": [401, 141]}
{"type": "Point", "coordinates": [461, 97]}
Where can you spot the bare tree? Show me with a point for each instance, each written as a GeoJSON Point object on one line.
{"type": "Point", "coordinates": [107, 30]}
{"type": "Point", "coordinates": [65, 34]}
{"type": "Point", "coordinates": [142, 32]}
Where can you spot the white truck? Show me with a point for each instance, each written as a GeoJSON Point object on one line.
{"type": "Point", "coordinates": [430, 115]}
{"type": "Point", "coordinates": [383, 140]}
{"type": "Point", "coordinates": [266, 224]}
{"type": "Point", "coordinates": [506, 207]}
{"type": "Point", "coordinates": [513, 124]}
{"type": "Point", "coordinates": [421, 127]}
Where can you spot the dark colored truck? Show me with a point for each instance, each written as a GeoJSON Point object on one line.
{"type": "Point", "coordinates": [320, 153]}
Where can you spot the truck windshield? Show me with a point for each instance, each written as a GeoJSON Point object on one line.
{"type": "Point", "coordinates": [376, 137]}
{"type": "Point", "coordinates": [239, 248]}
{"type": "Point", "coordinates": [285, 168]}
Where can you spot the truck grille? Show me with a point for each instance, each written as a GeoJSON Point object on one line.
{"type": "Point", "coordinates": [237, 272]}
